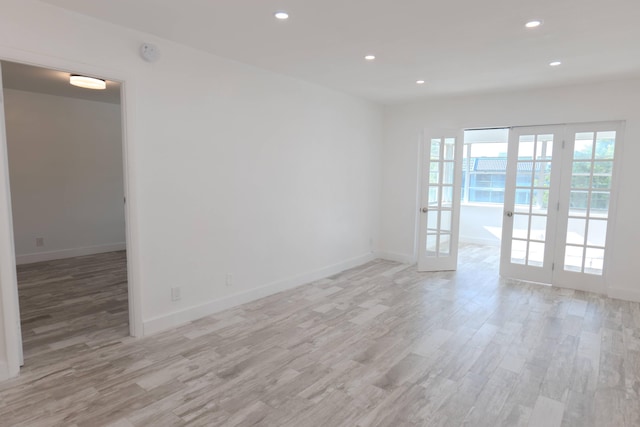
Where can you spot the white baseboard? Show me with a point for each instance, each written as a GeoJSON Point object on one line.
{"type": "Point", "coordinates": [393, 256]}
{"type": "Point", "coordinates": [161, 323]}
{"type": "Point", "coordinates": [477, 241]}
{"type": "Point", "coordinates": [68, 253]}
{"type": "Point", "coordinates": [624, 294]}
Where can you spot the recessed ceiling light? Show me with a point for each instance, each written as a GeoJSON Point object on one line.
{"type": "Point", "coordinates": [420, 82]}
{"type": "Point", "coordinates": [555, 63]}
{"type": "Point", "coordinates": [87, 82]}
{"type": "Point", "coordinates": [370, 57]}
{"type": "Point", "coordinates": [533, 24]}
{"type": "Point", "coordinates": [282, 15]}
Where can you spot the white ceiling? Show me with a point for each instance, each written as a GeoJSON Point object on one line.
{"type": "Point", "coordinates": [53, 82]}
{"type": "Point", "coordinates": [456, 46]}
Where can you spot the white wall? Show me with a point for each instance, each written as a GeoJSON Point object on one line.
{"type": "Point", "coordinates": [233, 169]}
{"type": "Point", "coordinates": [481, 224]}
{"type": "Point", "coordinates": [616, 100]}
{"type": "Point", "coordinates": [65, 162]}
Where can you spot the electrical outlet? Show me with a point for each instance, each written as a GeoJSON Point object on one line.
{"type": "Point", "coordinates": [39, 242]}
{"type": "Point", "coordinates": [175, 294]}
{"type": "Point", "coordinates": [229, 279]}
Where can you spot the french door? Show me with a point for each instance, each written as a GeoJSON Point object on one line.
{"type": "Point", "coordinates": [558, 204]}
{"type": "Point", "coordinates": [531, 197]}
{"type": "Point", "coordinates": [440, 201]}
{"type": "Point", "coordinates": [587, 183]}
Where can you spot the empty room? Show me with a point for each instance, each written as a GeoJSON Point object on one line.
{"type": "Point", "coordinates": [67, 198]}
{"type": "Point", "coordinates": [357, 213]}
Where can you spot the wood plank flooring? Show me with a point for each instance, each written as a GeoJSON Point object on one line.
{"type": "Point", "coordinates": [77, 302]}
{"type": "Point", "coordinates": [378, 345]}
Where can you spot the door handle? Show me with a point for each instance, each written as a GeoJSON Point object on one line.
{"type": "Point", "coordinates": [425, 210]}
{"type": "Point", "coordinates": [508, 214]}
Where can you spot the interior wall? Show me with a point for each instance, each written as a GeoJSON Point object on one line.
{"type": "Point", "coordinates": [234, 170]}
{"type": "Point", "coordinates": [615, 100]}
{"type": "Point", "coordinates": [65, 163]}
{"type": "Point", "coordinates": [481, 224]}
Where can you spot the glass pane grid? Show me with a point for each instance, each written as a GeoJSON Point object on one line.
{"type": "Point", "coordinates": [589, 202]}
{"type": "Point", "coordinates": [440, 195]}
{"type": "Point", "coordinates": [532, 187]}
{"type": "Point", "coordinates": [590, 194]}
{"type": "Point", "coordinates": [584, 260]}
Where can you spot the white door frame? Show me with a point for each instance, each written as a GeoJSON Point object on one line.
{"type": "Point", "coordinates": [8, 281]}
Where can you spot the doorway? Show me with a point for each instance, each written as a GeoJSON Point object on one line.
{"type": "Point", "coordinates": [65, 161]}
{"type": "Point", "coordinates": [484, 171]}
{"type": "Point", "coordinates": [557, 186]}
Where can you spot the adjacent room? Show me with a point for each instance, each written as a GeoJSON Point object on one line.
{"type": "Point", "coordinates": [311, 213]}
{"type": "Point", "coordinates": [67, 195]}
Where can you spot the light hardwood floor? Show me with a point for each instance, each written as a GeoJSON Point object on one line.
{"type": "Point", "coordinates": [378, 345]}
{"type": "Point", "coordinates": [72, 304]}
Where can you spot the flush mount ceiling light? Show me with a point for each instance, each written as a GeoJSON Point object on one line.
{"type": "Point", "coordinates": [555, 63]}
{"type": "Point", "coordinates": [420, 82]}
{"type": "Point", "coordinates": [370, 57]}
{"type": "Point", "coordinates": [281, 15]}
{"type": "Point", "coordinates": [87, 82]}
{"type": "Point", "coordinates": [533, 24]}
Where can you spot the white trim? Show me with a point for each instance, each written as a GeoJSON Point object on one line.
{"type": "Point", "coordinates": [624, 294]}
{"type": "Point", "coordinates": [134, 280]}
{"type": "Point", "coordinates": [69, 253]}
{"type": "Point", "coordinates": [580, 285]}
{"type": "Point", "coordinates": [161, 323]}
{"type": "Point", "coordinates": [8, 282]}
{"type": "Point", "coordinates": [394, 256]}
{"type": "Point", "coordinates": [416, 212]}
{"type": "Point", "coordinates": [13, 357]}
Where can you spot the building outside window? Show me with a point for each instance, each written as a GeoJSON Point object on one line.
{"type": "Point", "coordinates": [484, 172]}
{"type": "Point", "coordinates": [485, 166]}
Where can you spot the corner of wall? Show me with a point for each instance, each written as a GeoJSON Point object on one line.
{"type": "Point", "coordinates": [171, 320]}
{"type": "Point", "coordinates": [624, 294]}
{"type": "Point", "coordinates": [392, 256]}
